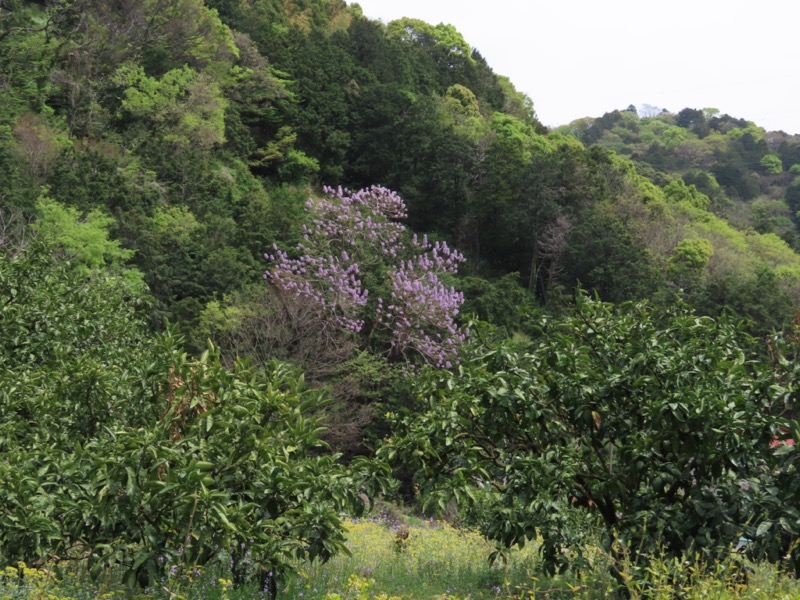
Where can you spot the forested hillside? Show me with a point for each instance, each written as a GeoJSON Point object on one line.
{"type": "Point", "coordinates": [200, 129]}
{"type": "Point", "coordinates": [291, 181]}
{"type": "Point", "coordinates": [742, 174]}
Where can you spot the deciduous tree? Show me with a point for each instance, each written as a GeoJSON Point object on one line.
{"type": "Point", "coordinates": [355, 246]}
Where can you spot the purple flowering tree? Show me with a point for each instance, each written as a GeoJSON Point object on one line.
{"type": "Point", "coordinates": [354, 238]}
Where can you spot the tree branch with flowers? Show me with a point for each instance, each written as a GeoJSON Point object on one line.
{"type": "Point", "coordinates": [365, 272]}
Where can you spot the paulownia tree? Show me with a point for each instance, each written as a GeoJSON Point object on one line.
{"type": "Point", "coordinates": [361, 270]}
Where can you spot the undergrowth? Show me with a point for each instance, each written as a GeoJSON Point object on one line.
{"type": "Point", "coordinates": [393, 558]}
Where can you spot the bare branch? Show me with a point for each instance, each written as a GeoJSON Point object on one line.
{"type": "Point", "coordinates": [15, 233]}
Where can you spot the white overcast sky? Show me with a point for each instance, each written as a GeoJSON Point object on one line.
{"type": "Point", "coordinates": [578, 58]}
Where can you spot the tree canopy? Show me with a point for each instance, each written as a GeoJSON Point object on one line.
{"type": "Point", "coordinates": [176, 171]}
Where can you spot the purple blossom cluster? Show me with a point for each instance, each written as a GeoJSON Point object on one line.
{"type": "Point", "coordinates": [331, 283]}
{"type": "Point", "coordinates": [422, 311]}
{"type": "Point", "coordinates": [351, 229]}
{"type": "Point", "coordinates": [357, 220]}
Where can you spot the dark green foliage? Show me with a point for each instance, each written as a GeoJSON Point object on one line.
{"type": "Point", "coordinates": [779, 492]}
{"type": "Point", "coordinates": [601, 256]}
{"type": "Point", "coordinates": [789, 152]}
{"type": "Point", "coordinates": [650, 421]}
{"type": "Point", "coordinates": [793, 197]}
{"type": "Point", "coordinates": [739, 180]}
{"type": "Point", "coordinates": [123, 450]}
{"type": "Point", "coordinates": [502, 302]}
{"type": "Point", "coordinates": [761, 299]}
{"type": "Point", "coordinates": [324, 85]}
{"type": "Point", "coordinates": [70, 338]}
{"type": "Point", "coordinates": [693, 119]}
{"type": "Point", "coordinates": [86, 178]}
{"type": "Point", "coordinates": [778, 533]}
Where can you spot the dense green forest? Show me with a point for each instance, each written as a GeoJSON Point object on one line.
{"type": "Point", "coordinates": [261, 260]}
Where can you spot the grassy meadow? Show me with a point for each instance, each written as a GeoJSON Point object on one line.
{"type": "Point", "coordinates": [393, 558]}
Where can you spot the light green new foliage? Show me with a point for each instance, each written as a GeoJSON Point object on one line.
{"type": "Point", "coordinates": [673, 136]}
{"type": "Point", "coordinates": [519, 135]}
{"type": "Point", "coordinates": [443, 40]}
{"type": "Point", "coordinates": [678, 191]}
{"type": "Point", "coordinates": [84, 239]}
{"type": "Point", "coordinates": [177, 222]}
{"type": "Point", "coordinates": [187, 107]}
{"type": "Point", "coordinates": [739, 132]}
{"type": "Point", "coordinates": [771, 164]}
{"type": "Point", "coordinates": [740, 253]}
{"type": "Point", "coordinates": [461, 108]}
{"type": "Point", "coordinates": [690, 260]}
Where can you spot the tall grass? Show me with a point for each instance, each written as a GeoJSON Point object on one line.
{"type": "Point", "coordinates": [423, 560]}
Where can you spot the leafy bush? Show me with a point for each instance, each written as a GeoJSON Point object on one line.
{"type": "Point", "coordinates": [121, 450]}
{"type": "Point", "coordinates": [657, 424]}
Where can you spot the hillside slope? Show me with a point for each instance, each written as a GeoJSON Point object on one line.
{"type": "Point", "coordinates": [200, 128]}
